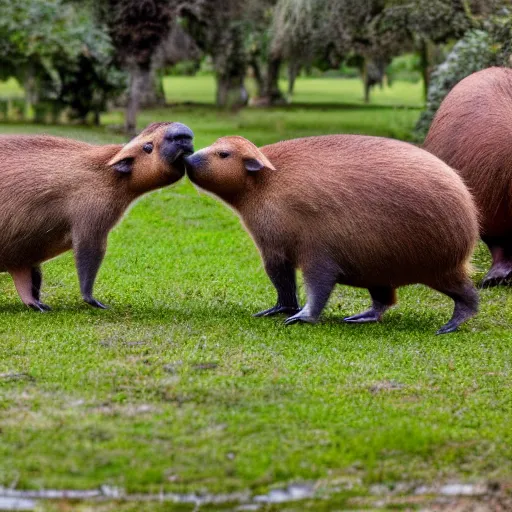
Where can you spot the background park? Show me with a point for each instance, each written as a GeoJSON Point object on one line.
{"type": "Point", "coordinates": [176, 398]}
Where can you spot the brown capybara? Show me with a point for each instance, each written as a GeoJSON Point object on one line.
{"type": "Point", "coordinates": [472, 132]}
{"type": "Point", "coordinates": [362, 211]}
{"type": "Point", "coordinates": [58, 194]}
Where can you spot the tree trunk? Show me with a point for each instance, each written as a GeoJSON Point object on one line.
{"type": "Point", "coordinates": [425, 67]}
{"type": "Point", "coordinates": [293, 73]}
{"type": "Point", "coordinates": [366, 81]}
{"type": "Point", "coordinates": [152, 93]}
{"type": "Point", "coordinates": [135, 89]}
{"type": "Point", "coordinates": [230, 65]}
{"type": "Point", "coordinates": [30, 86]}
{"type": "Point", "coordinates": [272, 91]}
{"type": "Point", "coordinates": [231, 92]}
{"type": "Point", "coordinates": [258, 76]}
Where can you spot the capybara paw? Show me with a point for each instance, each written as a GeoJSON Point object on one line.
{"type": "Point", "coordinates": [39, 306]}
{"type": "Point", "coordinates": [363, 318]}
{"type": "Point", "coordinates": [95, 303]}
{"type": "Point", "coordinates": [451, 326]}
{"type": "Point", "coordinates": [277, 310]}
{"type": "Point", "coordinates": [300, 317]}
{"type": "Point", "coordinates": [500, 274]}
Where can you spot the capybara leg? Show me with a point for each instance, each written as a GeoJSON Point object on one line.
{"type": "Point", "coordinates": [320, 282]}
{"type": "Point", "coordinates": [465, 297]}
{"type": "Point", "coordinates": [383, 297]}
{"type": "Point", "coordinates": [88, 260]}
{"type": "Point", "coordinates": [37, 281]}
{"type": "Point", "coordinates": [282, 275]}
{"type": "Point", "coordinates": [23, 281]}
{"type": "Point", "coordinates": [501, 270]}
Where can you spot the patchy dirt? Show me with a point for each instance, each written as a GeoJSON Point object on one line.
{"type": "Point", "coordinates": [448, 497]}
{"type": "Point", "coordinates": [16, 376]}
{"type": "Point", "coordinates": [386, 385]}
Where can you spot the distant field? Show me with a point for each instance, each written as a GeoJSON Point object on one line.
{"type": "Point", "coordinates": [319, 106]}
{"type": "Point", "coordinates": [307, 90]}
{"type": "Point", "coordinates": [10, 89]}
{"type": "Point", "coordinates": [201, 89]}
{"type": "Point", "coordinates": [178, 388]}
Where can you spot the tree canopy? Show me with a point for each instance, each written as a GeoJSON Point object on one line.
{"type": "Point", "coordinates": [77, 55]}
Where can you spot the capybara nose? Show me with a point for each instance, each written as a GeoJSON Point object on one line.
{"type": "Point", "coordinates": [182, 135]}
{"type": "Point", "coordinates": [192, 162]}
{"type": "Point", "coordinates": [179, 131]}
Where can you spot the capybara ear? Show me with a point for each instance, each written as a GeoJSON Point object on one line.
{"type": "Point", "coordinates": [253, 164]}
{"type": "Point", "coordinates": [122, 166]}
{"type": "Point", "coordinates": [257, 163]}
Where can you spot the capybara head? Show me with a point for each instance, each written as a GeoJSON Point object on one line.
{"type": "Point", "coordinates": [155, 157]}
{"type": "Point", "coordinates": [228, 166]}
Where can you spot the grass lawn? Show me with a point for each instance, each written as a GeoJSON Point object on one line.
{"type": "Point", "coordinates": [179, 89]}
{"type": "Point", "coordinates": [178, 388]}
{"type": "Point", "coordinates": [10, 89]}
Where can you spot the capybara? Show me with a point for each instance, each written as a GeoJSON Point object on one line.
{"type": "Point", "coordinates": [58, 194]}
{"type": "Point", "coordinates": [362, 211]}
{"type": "Point", "coordinates": [472, 132]}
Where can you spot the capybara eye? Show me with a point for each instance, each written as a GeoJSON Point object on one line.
{"type": "Point", "coordinates": [224, 154]}
{"type": "Point", "coordinates": [147, 148]}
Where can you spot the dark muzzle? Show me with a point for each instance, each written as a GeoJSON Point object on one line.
{"type": "Point", "coordinates": [178, 142]}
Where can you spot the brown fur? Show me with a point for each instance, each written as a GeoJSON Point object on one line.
{"type": "Point", "coordinates": [378, 212]}
{"type": "Point", "coordinates": [57, 193]}
{"type": "Point", "coordinates": [472, 133]}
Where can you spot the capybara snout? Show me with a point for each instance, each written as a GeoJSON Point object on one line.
{"type": "Point", "coordinates": [177, 143]}
{"type": "Point", "coordinates": [228, 166]}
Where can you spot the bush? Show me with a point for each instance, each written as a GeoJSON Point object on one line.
{"type": "Point", "coordinates": [63, 58]}
{"type": "Point", "coordinates": [475, 51]}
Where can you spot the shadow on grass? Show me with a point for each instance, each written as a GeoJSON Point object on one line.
{"type": "Point", "coordinates": [292, 106]}
{"type": "Point", "coordinates": [421, 323]}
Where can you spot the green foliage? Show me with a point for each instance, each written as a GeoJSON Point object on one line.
{"type": "Point", "coordinates": [137, 27]}
{"type": "Point", "coordinates": [405, 67]}
{"type": "Point", "coordinates": [472, 53]}
{"type": "Point", "coordinates": [59, 53]}
{"type": "Point", "coordinates": [35, 32]}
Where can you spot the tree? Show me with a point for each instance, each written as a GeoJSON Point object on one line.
{"type": "Point", "coordinates": [219, 32]}
{"type": "Point", "coordinates": [137, 28]}
{"type": "Point", "coordinates": [422, 26]}
{"type": "Point", "coordinates": [488, 45]}
{"type": "Point", "coordinates": [295, 34]}
{"type": "Point", "coordinates": [263, 57]}
{"type": "Point", "coordinates": [59, 54]}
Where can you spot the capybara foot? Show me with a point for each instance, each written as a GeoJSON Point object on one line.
{"type": "Point", "coordinates": [95, 303]}
{"type": "Point", "coordinates": [39, 306]}
{"type": "Point", "coordinates": [460, 316]}
{"type": "Point", "coordinates": [465, 297]}
{"type": "Point", "coordinates": [451, 326]}
{"type": "Point", "coordinates": [277, 310]}
{"type": "Point", "coordinates": [500, 274]}
{"type": "Point", "coordinates": [372, 315]}
{"type": "Point", "coordinates": [302, 316]}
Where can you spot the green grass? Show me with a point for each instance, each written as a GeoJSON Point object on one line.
{"type": "Point", "coordinates": [201, 89]}
{"type": "Point", "coordinates": [10, 89]}
{"type": "Point", "coordinates": [178, 387]}
{"type": "Point", "coordinates": [347, 91]}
